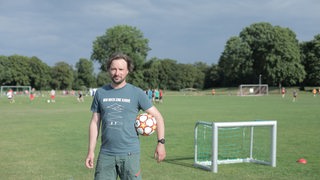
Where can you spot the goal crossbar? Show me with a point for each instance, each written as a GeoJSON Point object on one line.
{"type": "Point", "coordinates": [212, 164]}
{"type": "Point", "coordinates": [253, 89]}
{"type": "Point", "coordinates": [4, 89]}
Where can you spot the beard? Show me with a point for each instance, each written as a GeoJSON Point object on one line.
{"type": "Point", "coordinates": [117, 80]}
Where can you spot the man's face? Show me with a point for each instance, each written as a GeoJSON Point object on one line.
{"type": "Point", "coordinates": [118, 71]}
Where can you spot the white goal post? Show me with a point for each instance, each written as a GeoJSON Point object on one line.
{"type": "Point", "coordinates": [249, 142]}
{"type": "Point", "coordinates": [253, 89]}
{"type": "Point", "coordinates": [18, 90]}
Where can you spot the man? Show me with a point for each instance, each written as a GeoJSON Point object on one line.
{"type": "Point", "coordinates": [115, 107]}
{"type": "Point", "coordinates": [295, 94]}
{"type": "Point", "coordinates": [10, 95]}
{"type": "Point", "coordinates": [283, 92]}
{"type": "Point", "coordinates": [80, 97]}
{"type": "Point", "coordinates": [53, 95]}
{"type": "Point", "coordinates": [314, 92]}
{"type": "Point", "coordinates": [32, 94]}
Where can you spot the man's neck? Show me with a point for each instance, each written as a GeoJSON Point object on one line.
{"type": "Point", "coordinates": [118, 86]}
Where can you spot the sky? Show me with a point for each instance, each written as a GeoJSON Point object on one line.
{"type": "Point", "coordinates": [187, 31]}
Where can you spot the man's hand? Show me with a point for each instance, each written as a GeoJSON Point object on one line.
{"type": "Point", "coordinates": [160, 152]}
{"type": "Point", "coordinates": [89, 160]}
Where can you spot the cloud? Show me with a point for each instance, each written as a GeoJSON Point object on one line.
{"type": "Point", "coordinates": [187, 31]}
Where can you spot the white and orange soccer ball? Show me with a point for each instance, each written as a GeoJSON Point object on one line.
{"type": "Point", "coordinates": [145, 124]}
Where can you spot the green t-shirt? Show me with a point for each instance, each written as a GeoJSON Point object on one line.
{"type": "Point", "coordinates": [118, 109]}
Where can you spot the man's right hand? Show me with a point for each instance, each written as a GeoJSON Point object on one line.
{"type": "Point", "coordinates": [89, 160]}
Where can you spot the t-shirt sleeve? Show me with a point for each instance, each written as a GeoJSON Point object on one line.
{"type": "Point", "coordinates": [95, 103]}
{"type": "Point", "coordinates": [144, 101]}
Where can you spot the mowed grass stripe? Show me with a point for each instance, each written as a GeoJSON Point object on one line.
{"type": "Point", "coordinates": [41, 140]}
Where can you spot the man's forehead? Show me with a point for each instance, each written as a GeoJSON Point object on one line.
{"type": "Point", "coordinates": [119, 63]}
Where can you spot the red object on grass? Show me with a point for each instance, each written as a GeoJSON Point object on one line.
{"type": "Point", "coordinates": [302, 161]}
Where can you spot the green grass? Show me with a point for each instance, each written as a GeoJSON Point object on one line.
{"type": "Point", "coordinates": [49, 141]}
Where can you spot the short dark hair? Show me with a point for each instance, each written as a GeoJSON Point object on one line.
{"type": "Point", "coordinates": [117, 56]}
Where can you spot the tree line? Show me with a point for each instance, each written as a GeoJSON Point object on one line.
{"type": "Point", "coordinates": [272, 53]}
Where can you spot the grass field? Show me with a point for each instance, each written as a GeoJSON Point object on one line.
{"type": "Point", "coordinates": [48, 141]}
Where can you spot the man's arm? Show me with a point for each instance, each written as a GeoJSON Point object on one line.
{"type": "Point", "coordinates": [160, 152]}
{"type": "Point", "coordinates": [93, 136]}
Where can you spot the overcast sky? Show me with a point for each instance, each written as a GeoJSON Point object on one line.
{"type": "Point", "coordinates": [184, 30]}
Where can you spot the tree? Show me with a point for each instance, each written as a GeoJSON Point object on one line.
{"type": "Point", "coordinates": [39, 74]}
{"type": "Point", "coordinates": [84, 74]}
{"type": "Point", "coordinates": [24, 71]}
{"type": "Point", "coordinates": [5, 78]}
{"type": "Point", "coordinates": [103, 78]}
{"type": "Point", "coordinates": [62, 76]}
{"type": "Point", "coordinates": [187, 76]}
{"type": "Point", "coordinates": [151, 73]}
{"type": "Point", "coordinates": [212, 78]}
{"type": "Point", "coordinates": [121, 38]}
{"type": "Point", "coordinates": [275, 54]}
{"type": "Point", "coordinates": [167, 74]}
{"type": "Point", "coordinates": [159, 73]}
{"type": "Point", "coordinates": [201, 77]}
{"type": "Point", "coordinates": [311, 60]}
{"type": "Point", "coordinates": [18, 70]}
{"type": "Point", "coordinates": [236, 62]}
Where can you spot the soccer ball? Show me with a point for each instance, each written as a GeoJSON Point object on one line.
{"type": "Point", "coordinates": [145, 124]}
{"type": "Point", "coordinates": [48, 101]}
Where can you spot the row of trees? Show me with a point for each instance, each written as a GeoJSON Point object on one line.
{"type": "Point", "coordinates": [156, 73]}
{"type": "Point", "coordinates": [31, 71]}
{"type": "Point", "coordinates": [260, 50]}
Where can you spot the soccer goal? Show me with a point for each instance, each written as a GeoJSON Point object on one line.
{"type": "Point", "coordinates": [234, 142]}
{"type": "Point", "coordinates": [18, 90]}
{"type": "Point", "coordinates": [253, 89]}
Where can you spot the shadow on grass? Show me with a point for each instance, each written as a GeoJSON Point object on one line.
{"type": "Point", "coordinates": [181, 161]}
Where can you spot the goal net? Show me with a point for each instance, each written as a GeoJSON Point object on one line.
{"type": "Point", "coordinates": [234, 142]}
{"type": "Point", "coordinates": [253, 89]}
{"type": "Point", "coordinates": [17, 90]}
